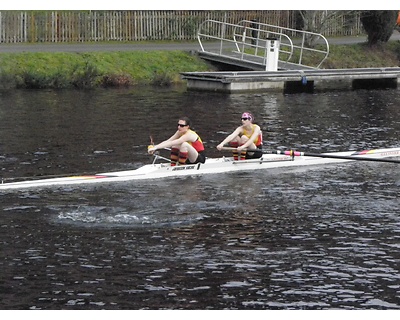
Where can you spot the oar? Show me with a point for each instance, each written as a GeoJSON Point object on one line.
{"type": "Point", "coordinates": [293, 153]}
{"type": "Point", "coordinates": [332, 156]}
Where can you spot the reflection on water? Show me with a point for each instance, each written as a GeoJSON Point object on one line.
{"type": "Point", "coordinates": [303, 238]}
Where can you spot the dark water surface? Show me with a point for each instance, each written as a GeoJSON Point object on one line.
{"type": "Point", "coordinates": [308, 238]}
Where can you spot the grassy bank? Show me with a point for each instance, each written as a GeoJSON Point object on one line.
{"type": "Point", "coordinates": [362, 56]}
{"type": "Point", "coordinates": [108, 69]}
{"type": "Point", "coordinates": [93, 69]}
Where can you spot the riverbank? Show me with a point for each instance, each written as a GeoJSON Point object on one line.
{"type": "Point", "coordinates": [94, 69]}
{"type": "Point", "coordinates": [149, 67]}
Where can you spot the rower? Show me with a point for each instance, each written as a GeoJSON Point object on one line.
{"type": "Point", "coordinates": [186, 145]}
{"type": "Point", "coordinates": [246, 136]}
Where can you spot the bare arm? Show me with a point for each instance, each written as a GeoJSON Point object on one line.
{"type": "Point", "coordinates": [229, 138]}
{"type": "Point", "coordinates": [173, 140]}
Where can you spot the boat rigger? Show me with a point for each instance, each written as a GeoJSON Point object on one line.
{"type": "Point", "coordinates": [269, 160]}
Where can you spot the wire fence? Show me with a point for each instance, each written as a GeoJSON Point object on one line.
{"type": "Point", "coordinates": [86, 26]}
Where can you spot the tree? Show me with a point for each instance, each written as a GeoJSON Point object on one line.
{"type": "Point", "coordinates": [318, 21]}
{"type": "Point", "coordinates": [379, 25]}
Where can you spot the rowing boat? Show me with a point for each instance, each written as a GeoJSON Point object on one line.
{"type": "Point", "coordinates": [269, 160]}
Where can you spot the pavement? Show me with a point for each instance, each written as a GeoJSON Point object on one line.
{"type": "Point", "coordinates": [143, 46]}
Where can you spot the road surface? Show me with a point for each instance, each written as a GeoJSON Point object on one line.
{"type": "Point", "coordinates": [115, 46]}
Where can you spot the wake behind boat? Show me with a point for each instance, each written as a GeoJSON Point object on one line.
{"type": "Point", "coordinates": [269, 160]}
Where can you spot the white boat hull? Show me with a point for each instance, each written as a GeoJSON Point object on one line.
{"type": "Point", "coordinates": [212, 166]}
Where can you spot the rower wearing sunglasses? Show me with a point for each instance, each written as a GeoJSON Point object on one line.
{"type": "Point", "coordinates": [186, 145]}
{"type": "Point", "coordinates": [245, 139]}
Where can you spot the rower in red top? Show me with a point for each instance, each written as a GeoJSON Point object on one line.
{"type": "Point", "coordinates": [246, 136]}
{"type": "Point", "coordinates": [186, 145]}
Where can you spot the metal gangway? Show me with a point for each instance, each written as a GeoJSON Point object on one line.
{"type": "Point", "coordinates": [260, 46]}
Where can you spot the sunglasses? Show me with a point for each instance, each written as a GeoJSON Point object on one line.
{"type": "Point", "coordinates": [182, 125]}
{"type": "Point", "coordinates": [246, 119]}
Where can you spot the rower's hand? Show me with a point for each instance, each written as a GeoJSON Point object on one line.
{"type": "Point", "coordinates": [219, 147]}
{"type": "Point", "coordinates": [239, 149]}
{"type": "Point", "coordinates": [151, 149]}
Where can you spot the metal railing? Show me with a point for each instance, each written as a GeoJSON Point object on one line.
{"type": "Point", "coordinates": [249, 41]}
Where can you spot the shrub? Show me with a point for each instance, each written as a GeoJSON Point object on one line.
{"type": "Point", "coordinates": [117, 80]}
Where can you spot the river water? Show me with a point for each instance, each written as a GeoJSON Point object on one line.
{"type": "Point", "coordinates": [308, 238]}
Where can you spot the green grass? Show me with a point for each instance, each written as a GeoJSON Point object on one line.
{"type": "Point", "coordinates": [62, 70]}
{"type": "Point", "coordinates": [161, 68]}
{"type": "Point", "coordinates": [362, 56]}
